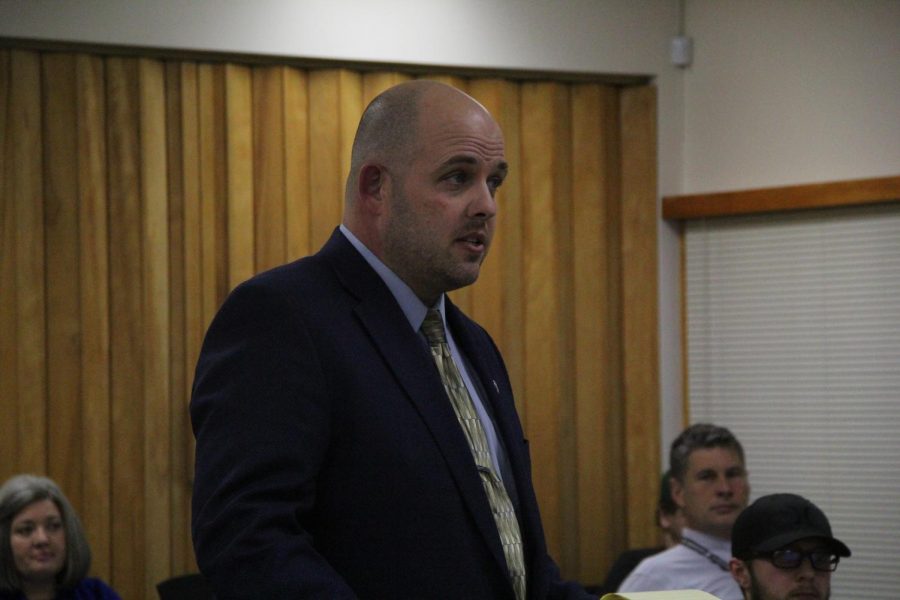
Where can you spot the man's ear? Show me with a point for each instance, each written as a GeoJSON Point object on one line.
{"type": "Point", "coordinates": [740, 570]}
{"type": "Point", "coordinates": [371, 186]}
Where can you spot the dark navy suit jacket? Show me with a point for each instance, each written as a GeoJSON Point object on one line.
{"type": "Point", "coordinates": [329, 461]}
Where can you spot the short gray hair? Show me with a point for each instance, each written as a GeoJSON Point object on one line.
{"type": "Point", "coordinates": [16, 494]}
{"type": "Point", "coordinates": [700, 435]}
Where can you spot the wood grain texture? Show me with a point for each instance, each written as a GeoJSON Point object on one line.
{"type": "Point", "coordinates": [8, 293]}
{"type": "Point", "coordinates": [778, 199]}
{"type": "Point", "coordinates": [156, 323]}
{"type": "Point", "coordinates": [239, 169]}
{"type": "Point", "coordinates": [93, 252]}
{"type": "Point", "coordinates": [640, 312]}
{"type": "Point", "coordinates": [595, 347]}
{"type": "Point", "coordinates": [27, 188]}
{"type": "Point", "coordinates": [127, 316]}
{"type": "Point", "coordinates": [296, 163]}
{"type": "Point", "coordinates": [543, 342]}
{"type": "Point", "coordinates": [325, 169]}
{"type": "Point", "coordinates": [268, 167]}
{"type": "Point", "coordinates": [64, 409]}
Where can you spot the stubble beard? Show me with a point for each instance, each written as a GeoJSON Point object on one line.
{"type": "Point", "coordinates": [758, 593]}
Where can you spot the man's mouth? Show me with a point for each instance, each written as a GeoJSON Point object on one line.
{"type": "Point", "coordinates": [475, 241]}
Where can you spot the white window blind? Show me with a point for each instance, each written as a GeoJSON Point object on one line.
{"type": "Point", "coordinates": [793, 335]}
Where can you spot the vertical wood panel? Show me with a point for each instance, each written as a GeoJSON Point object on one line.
{"type": "Point", "coordinates": [94, 292]}
{"type": "Point", "coordinates": [27, 196]}
{"type": "Point", "coordinates": [374, 83]}
{"type": "Point", "coordinates": [351, 107]}
{"type": "Point", "coordinates": [65, 457]}
{"type": "Point", "coordinates": [178, 448]}
{"type": "Point", "coordinates": [268, 167]}
{"type": "Point", "coordinates": [563, 206]}
{"type": "Point", "coordinates": [593, 141]}
{"type": "Point", "coordinates": [508, 245]}
{"type": "Point", "coordinates": [239, 116]}
{"type": "Point", "coordinates": [194, 321]}
{"type": "Point", "coordinates": [155, 334]}
{"type": "Point", "coordinates": [639, 314]}
{"type": "Point", "coordinates": [330, 95]}
{"type": "Point", "coordinates": [8, 304]}
{"type": "Point", "coordinates": [296, 163]}
{"type": "Point", "coordinates": [542, 338]}
{"type": "Point", "coordinates": [487, 293]}
{"type": "Point", "coordinates": [213, 187]}
{"type": "Point", "coordinates": [325, 161]}
{"type": "Point", "coordinates": [127, 328]}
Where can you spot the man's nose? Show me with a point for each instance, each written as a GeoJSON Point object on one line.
{"type": "Point", "coordinates": [483, 204]}
{"type": "Point", "coordinates": [723, 486]}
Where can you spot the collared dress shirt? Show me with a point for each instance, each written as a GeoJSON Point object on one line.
{"type": "Point", "coordinates": [680, 568]}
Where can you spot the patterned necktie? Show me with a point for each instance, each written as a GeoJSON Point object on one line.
{"type": "Point", "coordinates": [501, 505]}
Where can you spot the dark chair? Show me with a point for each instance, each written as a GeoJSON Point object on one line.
{"type": "Point", "coordinates": [185, 587]}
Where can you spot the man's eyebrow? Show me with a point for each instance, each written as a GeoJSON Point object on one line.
{"type": "Point", "coordinates": [467, 159]}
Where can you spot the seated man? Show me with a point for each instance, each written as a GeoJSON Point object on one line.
{"type": "Point", "coordinates": [709, 484]}
{"type": "Point", "coordinates": [783, 548]}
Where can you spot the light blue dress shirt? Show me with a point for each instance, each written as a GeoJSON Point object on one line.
{"type": "Point", "coordinates": [415, 311]}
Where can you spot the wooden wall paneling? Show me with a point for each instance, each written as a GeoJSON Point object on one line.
{"type": "Point", "coordinates": [351, 108]}
{"type": "Point", "coordinates": [240, 168]}
{"type": "Point", "coordinates": [270, 236]}
{"type": "Point", "coordinates": [213, 187]}
{"type": "Point", "coordinates": [296, 163]}
{"type": "Point", "coordinates": [184, 131]}
{"type": "Point", "coordinates": [26, 170]}
{"type": "Point", "coordinates": [335, 104]}
{"type": "Point", "coordinates": [93, 271]}
{"type": "Point", "coordinates": [592, 105]}
{"type": "Point", "coordinates": [640, 311]}
{"type": "Point", "coordinates": [543, 344]}
{"type": "Point", "coordinates": [64, 409]}
{"type": "Point", "coordinates": [375, 82]}
{"type": "Point", "coordinates": [486, 296]}
{"type": "Point", "coordinates": [326, 186]}
{"type": "Point", "coordinates": [156, 322]}
{"type": "Point", "coordinates": [126, 327]}
{"type": "Point", "coordinates": [613, 409]}
{"type": "Point", "coordinates": [177, 446]}
{"type": "Point", "coordinates": [8, 305]}
{"type": "Point", "coordinates": [564, 203]}
{"type": "Point", "coordinates": [508, 245]}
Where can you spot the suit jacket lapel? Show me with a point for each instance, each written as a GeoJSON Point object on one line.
{"type": "Point", "coordinates": [406, 355]}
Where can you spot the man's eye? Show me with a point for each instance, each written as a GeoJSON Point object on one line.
{"type": "Point", "coordinates": [494, 183]}
{"type": "Point", "coordinates": [457, 177]}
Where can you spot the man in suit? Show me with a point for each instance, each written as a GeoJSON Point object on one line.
{"type": "Point", "coordinates": [331, 462]}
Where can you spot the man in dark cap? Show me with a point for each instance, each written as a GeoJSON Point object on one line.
{"type": "Point", "coordinates": [782, 548]}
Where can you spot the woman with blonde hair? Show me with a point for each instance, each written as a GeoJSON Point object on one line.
{"type": "Point", "coordinates": [44, 554]}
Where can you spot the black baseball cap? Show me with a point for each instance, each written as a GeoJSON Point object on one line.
{"type": "Point", "coordinates": [776, 520]}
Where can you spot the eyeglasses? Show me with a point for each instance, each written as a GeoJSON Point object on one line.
{"type": "Point", "coordinates": [821, 560]}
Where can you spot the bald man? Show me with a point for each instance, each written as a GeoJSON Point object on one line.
{"type": "Point", "coordinates": [332, 459]}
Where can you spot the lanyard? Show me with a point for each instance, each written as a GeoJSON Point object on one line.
{"type": "Point", "coordinates": [704, 551]}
